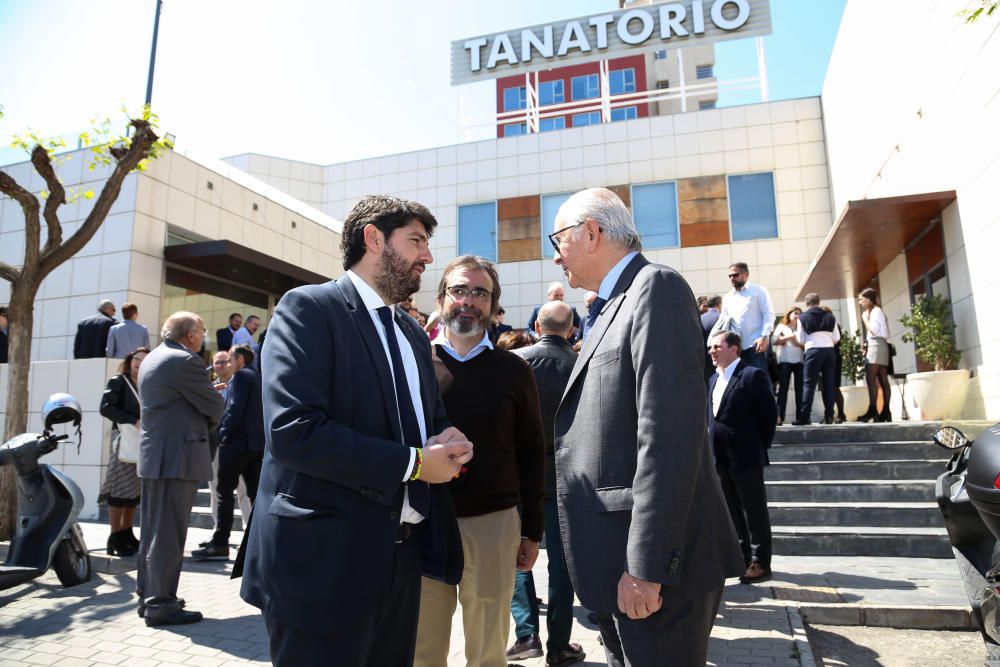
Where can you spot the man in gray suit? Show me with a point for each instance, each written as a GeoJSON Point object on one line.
{"type": "Point", "coordinates": [180, 408]}
{"type": "Point", "coordinates": [645, 529]}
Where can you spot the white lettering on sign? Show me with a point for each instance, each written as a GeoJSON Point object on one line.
{"type": "Point", "coordinates": [655, 26]}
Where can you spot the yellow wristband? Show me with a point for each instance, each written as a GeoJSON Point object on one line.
{"type": "Point", "coordinates": [418, 466]}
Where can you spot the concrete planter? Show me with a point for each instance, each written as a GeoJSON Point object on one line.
{"type": "Point", "coordinates": [855, 401]}
{"type": "Point", "coordinates": [938, 394]}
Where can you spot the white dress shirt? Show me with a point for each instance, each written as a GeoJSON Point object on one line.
{"type": "Point", "coordinates": [725, 375]}
{"type": "Point", "coordinates": [242, 337]}
{"type": "Point", "coordinates": [875, 323]}
{"type": "Point", "coordinates": [789, 352]}
{"type": "Point", "coordinates": [443, 341]}
{"type": "Point", "coordinates": [817, 338]}
{"type": "Point", "coordinates": [752, 311]}
{"type": "Point", "coordinates": [373, 302]}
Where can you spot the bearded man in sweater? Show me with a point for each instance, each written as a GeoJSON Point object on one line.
{"type": "Point", "coordinates": [491, 395]}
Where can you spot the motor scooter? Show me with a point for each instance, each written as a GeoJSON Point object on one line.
{"type": "Point", "coordinates": [48, 503]}
{"type": "Point", "coordinates": [968, 494]}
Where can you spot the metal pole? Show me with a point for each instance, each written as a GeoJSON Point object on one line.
{"type": "Point", "coordinates": [680, 75]}
{"type": "Point", "coordinates": [762, 69]}
{"type": "Point", "coordinates": [152, 53]}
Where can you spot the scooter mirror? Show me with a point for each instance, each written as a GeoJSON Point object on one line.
{"type": "Point", "coordinates": [950, 437]}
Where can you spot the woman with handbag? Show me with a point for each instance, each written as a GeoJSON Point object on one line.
{"type": "Point", "coordinates": [121, 487]}
{"type": "Point", "coordinates": [876, 351]}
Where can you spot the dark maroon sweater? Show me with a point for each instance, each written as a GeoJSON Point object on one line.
{"type": "Point", "coordinates": [492, 399]}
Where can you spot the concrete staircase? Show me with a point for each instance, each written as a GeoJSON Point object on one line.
{"type": "Point", "coordinates": [201, 513]}
{"type": "Point", "coordinates": [856, 490]}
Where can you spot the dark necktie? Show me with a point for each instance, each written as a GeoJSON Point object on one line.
{"type": "Point", "coordinates": [420, 498]}
{"type": "Point", "coordinates": [592, 313]}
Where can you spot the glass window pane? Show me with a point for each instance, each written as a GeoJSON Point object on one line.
{"type": "Point", "coordinates": [654, 207]}
{"type": "Point", "coordinates": [550, 92]}
{"type": "Point", "coordinates": [590, 118]}
{"type": "Point", "coordinates": [705, 71]}
{"type": "Point", "coordinates": [514, 98]}
{"type": "Point", "coordinates": [624, 113]}
{"type": "Point", "coordinates": [547, 124]}
{"type": "Point", "coordinates": [622, 81]}
{"type": "Point", "coordinates": [477, 230]}
{"type": "Point", "coordinates": [585, 87]}
{"type": "Point", "coordinates": [515, 129]}
{"type": "Point", "coordinates": [752, 211]}
{"type": "Point", "coordinates": [550, 206]}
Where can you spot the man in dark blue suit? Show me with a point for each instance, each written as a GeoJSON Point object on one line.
{"type": "Point", "coordinates": [91, 340]}
{"type": "Point", "coordinates": [351, 507]}
{"type": "Point", "coordinates": [742, 418]}
{"type": "Point", "coordinates": [224, 336]}
{"type": "Point", "coordinates": [241, 449]}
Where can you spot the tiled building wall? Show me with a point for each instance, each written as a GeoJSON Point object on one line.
{"type": "Point", "coordinates": [785, 138]}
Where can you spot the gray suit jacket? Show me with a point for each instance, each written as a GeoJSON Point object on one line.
{"type": "Point", "coordinates": [179, 411]}
{"type": "Point", "coordinates": [637, 489]}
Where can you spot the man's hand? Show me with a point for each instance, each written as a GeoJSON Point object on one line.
{"type": "Point", "coordinates": [444, 455]}
{"type": "Point", "coordinates": [219, 386]}
{"type": "Point", "coordinates": [761, 345]}
{"type": "Point", "coordinates": [637, 598]}
{"type": "Point", "coordinates": [527, 554]}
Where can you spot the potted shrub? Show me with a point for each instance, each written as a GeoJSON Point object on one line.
{"type": "Point", "coordinates": [939, 394]}
{"type": "Point", "coordinates": [852, 365]}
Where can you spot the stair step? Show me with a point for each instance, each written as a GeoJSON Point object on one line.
{"type": "Point", "coordinates": [201, 517]}
{"type": "Point", "coordinates": [858, 451]}
{"type": "Point", "coordinates": [885, 514]}
{"type": "Point", "coordinates": [874, 433]}
{"type": "Point", "coordinates": [857, 490]}
{"type": "Point", "coordinates": [861, 541]}
{"type": "Point", "coordinates": [835, 470]}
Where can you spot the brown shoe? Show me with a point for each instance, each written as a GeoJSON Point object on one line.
{"type": "Point", "coordinates": [756, 574]}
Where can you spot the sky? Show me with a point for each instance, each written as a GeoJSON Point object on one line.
{"type": "Point", "coordinates": [316, 80]}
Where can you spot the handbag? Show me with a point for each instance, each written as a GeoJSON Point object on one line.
{"type": "Point", "coordinates": [128, 437]}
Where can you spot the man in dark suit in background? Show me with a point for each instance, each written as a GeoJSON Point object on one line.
{"type": "Point", "coordinates": [91, 340]}
{"type": "Point", "coordinates": [742, 418]}
{"type": "Point", "coordinates": [644, 524]}
{"type": "Point", "coordinates": [351, 507]}
{"type": "Point", "coordinates": [241, 449]}
{"type": "Point", "coordinates": [224, 336]}
{"type": "Point", "coordinates": [179, 410]}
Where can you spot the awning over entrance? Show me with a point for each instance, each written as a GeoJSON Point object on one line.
{"type": "Point", "coordinates": [239, 264]}
{"type": "Point", "coordinates": [867, 237]}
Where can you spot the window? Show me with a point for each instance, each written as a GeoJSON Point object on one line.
{"type": "Point", "coordinates": [706, 104]}
{"type": "Point", "coordinates": [514, 98]}
{"type": "Point", "coordinates": [654, 207]}
{"type": "Point", "coordinates": [549, 124]}
{"type": "Point", "coordinates": [585, 87]}
{"type": "Point", "coordinates": [660, 55]}
{"type": "Point", "coordinates": [550, 206]}
{"type": "Point", "coordinates": [660, 85]}
{"type": "Point", "coordinates": [590, 118]}
{"type": "Point", "coordinates": [477, 230]}
{"type": "Point", "coordinates": [515, 129]}
{"type": "Point", "coordinates": [752, 212]}
{"type": "Point", "coordinates": [622, 81]}
{"type": "Point", "coordinates": [624, 113]}
{"type": "Point", "coordinates": [551, 92]}
{"type": "Point", "coordinates": [705, 71]}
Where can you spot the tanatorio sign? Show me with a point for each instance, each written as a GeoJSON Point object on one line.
{"type": "Point", "coordinates": [654, 27]}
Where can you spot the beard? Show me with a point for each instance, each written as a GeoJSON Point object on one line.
{"type": "Point", "coordinates": [472, 324]}
{"type": "Point", "coordinates": [394, 279]}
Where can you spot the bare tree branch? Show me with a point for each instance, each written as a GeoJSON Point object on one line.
{"type": "Point", "coordinates": [57, 195]}
{"type": "Point", "coordinates": [29, 203]}
{"type": "Point", "coordinates": [9, 273]}
{"type": "Point", "coordinates": [142, 140]}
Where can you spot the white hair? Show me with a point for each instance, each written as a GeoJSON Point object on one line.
{"type": "Point", "coordinates": [606, 209]}
{"type": "Point", "coordinates": [179, 324]}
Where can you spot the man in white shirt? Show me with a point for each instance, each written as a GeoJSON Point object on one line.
{"type": "Point", "coordinates": [817, 330]}
{"type": "Point", "coordinates": [244, 336]}
{"type": "Point", "coordinates": [747, 310]}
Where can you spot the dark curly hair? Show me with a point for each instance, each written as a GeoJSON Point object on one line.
{"type": "Point", "coordinates": [387, 214]}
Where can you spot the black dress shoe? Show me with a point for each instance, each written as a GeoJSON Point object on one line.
{"type": "Point", "coordinates": [570, 655]}
{"type": "Point", "coordinates": [176, 617]}
{"type": "Point", "coordinates": [142, 606]}
{"type": "Point", "coordinates": [212, 552]}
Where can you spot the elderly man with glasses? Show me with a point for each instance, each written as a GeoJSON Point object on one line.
{"type": "Point", "coordinates": [491, 396]}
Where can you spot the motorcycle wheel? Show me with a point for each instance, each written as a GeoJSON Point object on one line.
{"type": "Point", "coordinates": [71, 561]}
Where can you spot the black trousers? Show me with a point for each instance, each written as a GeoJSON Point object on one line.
{"type": "Point", "coordinates": [819, 361]}
{"type": "Point", "coordinates": [233, 462]}
{"type": "Point", "coordinates": [676, 635]}
{"type": "Point", "coordinates": [388, 632]}
{"type": "Point", "coordinates": [746, 498]}
{"type": "Point", "coordinates": [785, 374]}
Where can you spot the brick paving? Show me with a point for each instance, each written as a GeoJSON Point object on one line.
{"type": "Point", "coordinates": [42, 623]}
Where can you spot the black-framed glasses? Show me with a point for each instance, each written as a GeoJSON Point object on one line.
{"type": "Point", "coordinates": [554, 236]}
{"type": "Point", "coordinates": [459, 292]}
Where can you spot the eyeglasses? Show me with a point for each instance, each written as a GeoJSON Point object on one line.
{"type": "Point", "coordinates": [554, 236]}
{"type": "Point", "coordinates": [458, 292]}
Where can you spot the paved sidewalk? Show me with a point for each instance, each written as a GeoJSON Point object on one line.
{"type": "Point", "coordinates": [42, 623]}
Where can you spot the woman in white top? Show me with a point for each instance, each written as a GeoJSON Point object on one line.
{"type": "Point", "coordinates": [788, 351]}
{"type": "Point", "coordinates": [876, 351]}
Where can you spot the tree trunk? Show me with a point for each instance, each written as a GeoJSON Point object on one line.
{"type": "Point", "coordinates": [22, 311]}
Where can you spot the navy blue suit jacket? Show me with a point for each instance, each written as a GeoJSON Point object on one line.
{"type": "Point", "coordinates": [326, 518]}
{"type": "Point", "coordinates": [242, 423]}
{"type": "Point", "coordinates": [224, 338]}
{"type": "Point", "coordinates": [91, 340]}
{"type": "Point", "coordinates": [743, 430]}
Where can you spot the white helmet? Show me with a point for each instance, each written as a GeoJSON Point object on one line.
{"type": "Point", "coordinates": [61, 408]}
